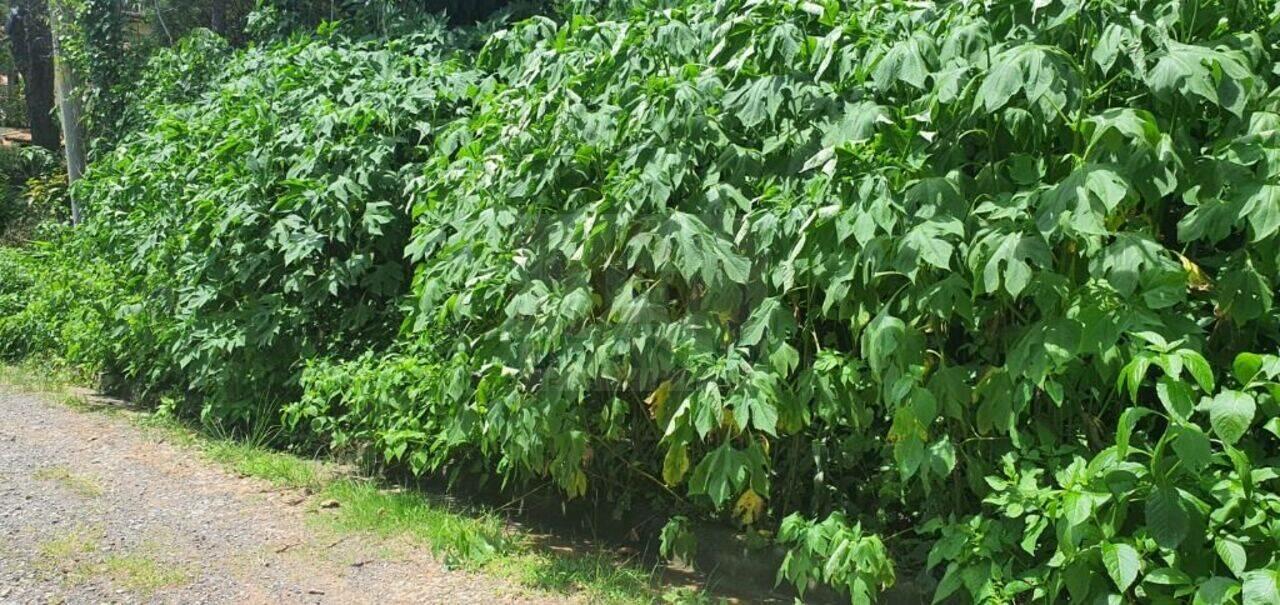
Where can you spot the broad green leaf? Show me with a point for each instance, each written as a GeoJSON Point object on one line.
{"type": "Point", "coordinates": [1080, 203]}
{"type": "Point", "coordinates": [1015, 253]}
{"type": "Point", "coordinates": [1218, 77]}
{"type": "Point", "coordinates": [881, 339]}
{"type": "Point", "coordinates": [1078, 507]}
{"type": "Point", "coordinates": [1032, 536]}
{"type": "Point", "coordinates": [675, 464]}
{"type": "Point", "coordinates": [1192, 446]}
{"type": "Point", "coordinates": [857, 123]}
{"type": "Point", "coordinates": [1212, 220]}
{"type": "Point", "coordinates": [1230, 414]}
{"type": "Point", "coordinates": [1216, 591]}
{"type": "Point", "coordinates": [904, 62]}
{"type": "Point", "coordinates": [909, 452]}
{"type": "Point", "coordinates": [1109, 46]}
{"type": "Point", "coordinates": [1041, 73]}
{"type": "Point", "coordinates": [761, 414]}
{"type": "Point", "coordinates": [1260, 588]}
{"type": "Point", "coordinates": [1243, 294]}
{"type": "Point", "coordinates": [1166, 576]}
{"type": "Point", "coordinates": [1176, 397]}
{"type": "Point", "coordinates": [1246, 366]}
{"type": "Point", "coordinates": [1166, 518]}
{"type": "Point", "coordinates": [1123, 129]}
{"type": "Point", "coordinates": [1124, 430]}
{"type": "Point", "coordinates": [1131, 258]}
{"type": "Point", "coordinates": [719, 475]}
{"type": "Point", "coordinates": [926, 240]}
{"type": "Point", "coordinates": [1261, 204]}
{"type": "Point", "coordinates": [1233, 556]}
{"type": "Point", "coordinates": [758, 101]}
{"type": "Point", "coordinates": [784, 359]}
{"type": "Point", "coordinates": [761, 318]}
{"type": "Point", "coordinates": [1122, 564]}
{"type": "Point", "coordinates": [1199, 368]}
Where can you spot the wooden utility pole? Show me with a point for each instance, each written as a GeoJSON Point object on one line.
{"type": "Point", "coordinates": [65, 85]}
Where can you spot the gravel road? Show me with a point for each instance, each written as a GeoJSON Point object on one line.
{"type": "Point", "coordinates": [94, 509]}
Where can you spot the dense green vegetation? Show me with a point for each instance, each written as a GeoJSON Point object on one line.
{"type": "Point", "coordinates": [975, 296]}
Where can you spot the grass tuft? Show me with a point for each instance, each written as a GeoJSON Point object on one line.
{"type": "Point", "coordinates": [80, 484]}
{"type": "Point", "coordinates": [79, 403]}
{"type": "Point", "coordinates": [39, 376]}
{"type": "Point", "coordinates": [462, 540]}
{"type": "Point", "coordinates": [73, 555]}
{"type": "Point", "coordinates": [480, 541]}
{"type": "Point", "coordinates": [279, 468]}
{"type": "Point", "coordinates": [69, 553]}
{"type": "Point", "coordinates": [142, 574]}
{"type": "Point", "coordinates": [169, 429]}
{"type": "Point", "coordinates": [597, 575]}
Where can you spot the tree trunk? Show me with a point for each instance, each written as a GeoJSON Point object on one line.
{"type": "Point", "coordinates": [218, 17]}
{"type": "Point", "coordinates": [66, 85]}
{"type": "Point", "coordinates": [33, 51]}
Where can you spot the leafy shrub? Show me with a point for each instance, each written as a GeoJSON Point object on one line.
{"type": "Point", "coordinates": [975, 294]}
{"type": "Point", "coordinates": [810, 258]}
{"type": "Point", "coordinates": [47, 194]}
{"type": "Point", "coordinates": [21, 209]}
{"type": "Point", "coordinates": [359, 403]}
{"type": "Point", "coordinates": [172, 76]}
{"type": "Point", "coordinates": [282, 239]}
{"type": "Point", "coordinates": [54, 301]}
{"type": "Point", "coordinates": [13, 106]}
{"type": "Point", "coordinates": [15, 290]}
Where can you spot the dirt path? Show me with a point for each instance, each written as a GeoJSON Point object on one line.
{"type": "Point", "coordinates": [94, 509]}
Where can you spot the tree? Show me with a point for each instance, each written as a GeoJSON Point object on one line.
{"type": "Point", "coordinates": [32, 44]}
{"type": "Point", "coordinates": [218, 17]}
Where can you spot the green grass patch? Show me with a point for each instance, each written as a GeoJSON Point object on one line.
{"type": "Point", "coordinates": [38, 376]}
{"type": "Point", "coordinates": [74, 555]}
{"type": "Point", "coordinates": [279, 468]}
{"type": "Point", "coordinates": [478, 540]}
{"type": "Point", "coordinates": [71, 545]}
{"type": "Point", "coordinates": [63, 475]}
{"type": "Point", "coordinates": [462, 540]}
{"type": "Point", "coordinates": [169, 429]}
{"type": "Point", "coordinates": [597, 575]}
{"type": "Point", "coordinates": [142, 574]}
{"type": "Point", "coordinates": [70, 553]}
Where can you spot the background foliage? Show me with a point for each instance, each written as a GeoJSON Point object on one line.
{"type": "Point", "coordinates": [976, 296]}
{"type": "Point", "coordinates": [24, 207]}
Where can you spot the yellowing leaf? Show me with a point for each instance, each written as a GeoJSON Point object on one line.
{"type": "Point", "coordinates": [657, 400]}
{"type": "Point", "coordinates": [577, 484]}
{"type": "Point", "coordinates": [749, 507]}
{"type": "Point", "coordinates": [1196, 279]}
{"type": "Point", "coordinates": [675, 464]}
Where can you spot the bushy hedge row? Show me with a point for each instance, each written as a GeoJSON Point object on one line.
{"type": "Point", "coordinates": [975, 293]}
{"type": "Point", "coordinates": [265, 223]}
